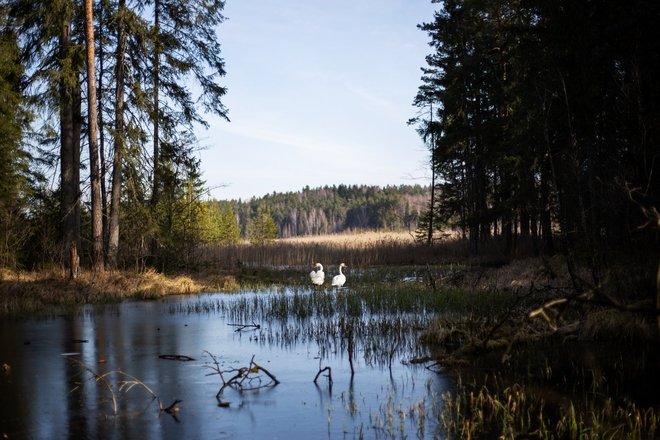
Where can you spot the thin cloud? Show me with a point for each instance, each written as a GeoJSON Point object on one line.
{"type": "Point", "coordinates": [302, 143]}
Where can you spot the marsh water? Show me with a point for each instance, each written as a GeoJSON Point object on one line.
{"type": "Point", "coordinates": [176, 346]}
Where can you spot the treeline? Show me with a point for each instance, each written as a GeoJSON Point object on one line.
{"type": "Point", "coordinates": [335, 209]}
{"type": "Point", "coordinates": [98, 101]}
{"type": "Point", "coordinates": [543, 124]}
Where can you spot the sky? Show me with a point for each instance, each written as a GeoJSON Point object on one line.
{"type": "Point", "coordinates": [319, 93]}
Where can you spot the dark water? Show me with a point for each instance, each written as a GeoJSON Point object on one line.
{"type": "Point", "coordinates": [47, 394]}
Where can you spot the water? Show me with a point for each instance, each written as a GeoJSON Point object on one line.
{"type": "Point", "coordinates": [49, 390]}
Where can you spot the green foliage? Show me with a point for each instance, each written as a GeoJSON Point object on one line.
{"type": "Point", "coordinates": [261, 229]}
{"type": "Point", "coordinates": [179, 213]}
{"type": "Point", "coordinates": [13, 159]}
{"type": "Point", "coordinates": [219, 223]}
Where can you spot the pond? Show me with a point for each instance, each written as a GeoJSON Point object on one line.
{"type": "Point", "coordinates": [176, 346]}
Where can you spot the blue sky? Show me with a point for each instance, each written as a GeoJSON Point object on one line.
{"type": "Point", "coordinates": [319, 93]}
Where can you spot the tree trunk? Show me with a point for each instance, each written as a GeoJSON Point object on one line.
{"type": "Point", "coordinates": [156, 111]}
{"type": "Point", "coordinates": [69, 159]}
{"type": "Point", "coordinates": [104, 170]}
{"type": "Point", "coordinates": [97, 214]}
{"type": "Point", "coordinates": [657, 296]}
{"type": "Point", "coordinates": [546, 218]}
{"type": "Point", "coordinates": [117, 159]}
{"type": "Point", "coordinates": [155, 191]}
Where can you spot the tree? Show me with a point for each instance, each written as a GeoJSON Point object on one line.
{"type": "Point", "coordinates": [118, 137]}
{"type": "Point", "coordinates": [150, 61]}
{"type": "Point", "coordinates": [220, 225]}
{"type": "Point", "coordinates": [13, 160]}
{"type": "Point", "coordinates": [70, 65]}
{"type": "Point", "coordinates": [51, 52]}
{"type": "Point", "coordinates": [262, 229]}
{"type": "Point", "coordinates": [92, 130]}
{"type": "Point", "coordinates": [185, 47]}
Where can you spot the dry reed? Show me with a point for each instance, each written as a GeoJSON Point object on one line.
{"type": "Point", "coordinates": [356, 250]}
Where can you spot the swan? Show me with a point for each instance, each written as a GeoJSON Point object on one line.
{"type": "Point", "coordinates": [339, 280]}
{"type": "Point", "coordinates": [317, 276]}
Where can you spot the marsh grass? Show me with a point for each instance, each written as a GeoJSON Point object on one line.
{"type": "Point", "coordinates": [330, 319]}
{"type": "Point", "coordinates": [516, 411]}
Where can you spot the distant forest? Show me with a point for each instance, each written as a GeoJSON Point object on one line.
{"type": "Point", "coordinates": [335, 209]}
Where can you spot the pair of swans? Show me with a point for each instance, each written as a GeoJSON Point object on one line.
{"type": "Point", "coordinates": [318, 276]}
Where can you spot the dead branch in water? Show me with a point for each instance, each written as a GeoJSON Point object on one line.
{"type": "Point", "coordinates": [329, 375]}
{"type": "Point", "coordinates": [241, 327]}
{"type": "Point", "coordinates": [176, 357]}
{"type": "Point", "coordinates": [244, 378]}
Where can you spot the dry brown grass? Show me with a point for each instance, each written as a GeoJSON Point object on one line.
{"type": "Point", "coordinates": [41, 290]}
{"type": "Point", "coordinates": [354, 239]}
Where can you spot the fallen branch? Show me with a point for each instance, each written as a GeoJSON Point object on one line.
{"type": "Point", "coordinates": [507, 315]}
{"type": "Point", "coordinates": [176, 357]}
{"type": "Point", "coordinates": [594, 296]}
{"type": "Point", "coordinates": [243, 378]}
{"type": "Point", "coordinates": [241, 327]}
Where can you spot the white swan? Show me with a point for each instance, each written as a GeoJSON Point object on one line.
{"type": "Point", "coordinates": [339, 280]}
{"type": "Point", "coordinates": [317, 276]}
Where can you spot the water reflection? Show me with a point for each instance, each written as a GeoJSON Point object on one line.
{"type": "Point", "coordinates": [47, 395]}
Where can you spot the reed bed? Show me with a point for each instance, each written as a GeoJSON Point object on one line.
{"type": "Point", "coordinates": [361, 250]}
{"type": "Point", "coordinates": [328, 319]}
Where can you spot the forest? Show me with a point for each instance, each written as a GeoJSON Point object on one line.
{"type": "Point", "coordinates": [337, 209]}
{"type": "Point", "coordinates": [98, 104]}
{"type": "Point", "coordinates": [541, 122]}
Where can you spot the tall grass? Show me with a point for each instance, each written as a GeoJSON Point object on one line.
{"type": "Point", "coordinates": [356, 251]}
{"type": "Point", "coordinates": [517, 411]}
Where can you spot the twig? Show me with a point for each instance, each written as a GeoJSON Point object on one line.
{"type": "Point", "coordinates": [258, 367]}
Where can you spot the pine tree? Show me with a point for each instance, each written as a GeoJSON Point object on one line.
{"type": "Point", "coordinates": [262, 229]}
{"type": "Point", "coordinates": [13, 160]}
